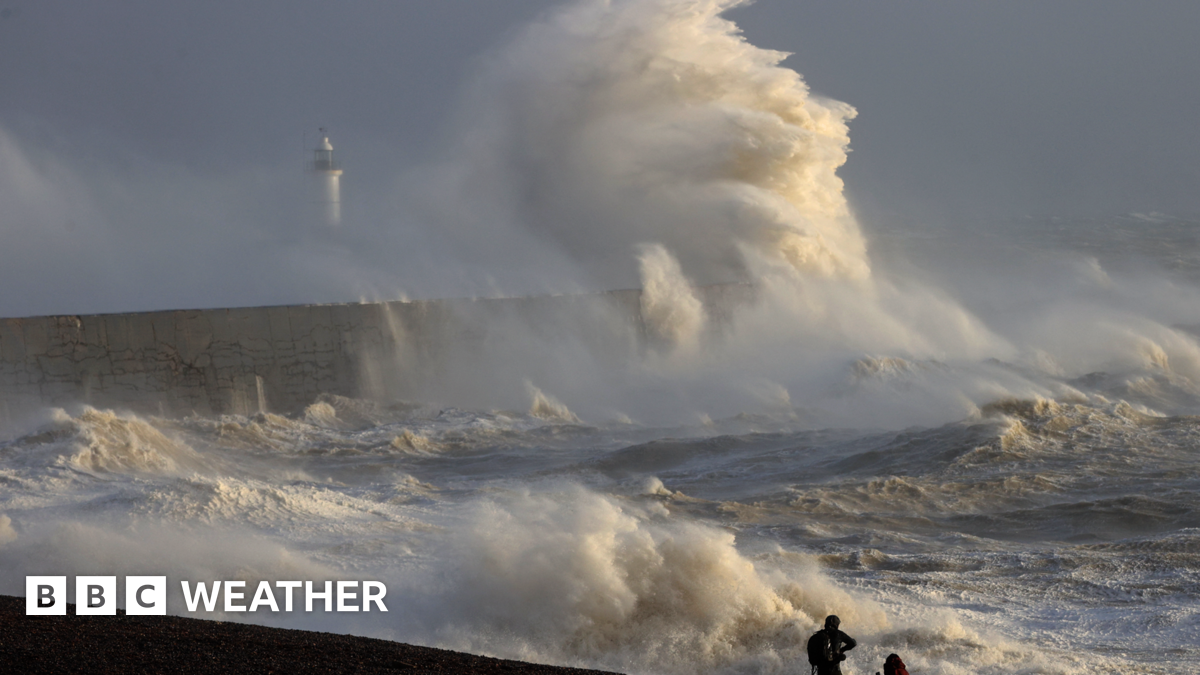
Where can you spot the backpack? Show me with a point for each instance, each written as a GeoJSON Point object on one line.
{"type": "Point", "coordinates": [821, 649]}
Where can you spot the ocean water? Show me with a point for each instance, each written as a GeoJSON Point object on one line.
{"type": "Point", "coordinates": [975, 442]}
{"type": "Point", "coordinates": [1041, 519]}
{"type": "Point", "coordinates": [1036, 536]}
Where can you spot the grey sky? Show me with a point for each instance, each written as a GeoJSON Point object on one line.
{"type": "Point", "coordinates": [1067, 107]}
{"type": "Point", "coordinates": [966, 109]}
{"type": "Point", "coordinates": [1012, 106]}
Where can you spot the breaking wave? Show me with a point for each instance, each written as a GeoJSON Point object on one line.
{"type": "Point", "coordinates": [610, 124]}
{"type": "Point", "coordinates": [578, 577]}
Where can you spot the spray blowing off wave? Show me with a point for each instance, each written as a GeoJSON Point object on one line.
{"type": "Point", "coordinates": [646, 143]}
{"type": "Point", "coordinates": [670, 308]}
{"type": "Point", "coordinates": [609, 124]}
{"type": "Point", "coordinates": [575, 577]}
{"type": "Point", "coordinates": [580, 577]}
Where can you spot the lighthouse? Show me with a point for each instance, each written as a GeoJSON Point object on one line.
{"type": "Point", "coordinates": [328, 174]}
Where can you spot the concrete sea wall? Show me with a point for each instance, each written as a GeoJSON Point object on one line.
{"type": "Point", "coordinates": [247, 360]}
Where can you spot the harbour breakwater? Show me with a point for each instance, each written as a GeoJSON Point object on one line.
{"type": "Point", "coordinates": [279, 359]}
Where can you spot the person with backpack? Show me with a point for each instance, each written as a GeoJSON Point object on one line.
{"type": "Point", "coordinates": [894, 666]}
{"type": "Point", "coordinates": [827, 648]}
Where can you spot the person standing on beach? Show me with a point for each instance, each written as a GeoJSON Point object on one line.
{"type": "Point", "coordinates": [827, 648]}
{"type": "Point", "coordinates": [894, 666]}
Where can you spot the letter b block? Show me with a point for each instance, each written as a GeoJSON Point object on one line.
{"type": "Point", "coordinates": [45, 596]}
{"type": "Point", "coordinates": [95, 596]}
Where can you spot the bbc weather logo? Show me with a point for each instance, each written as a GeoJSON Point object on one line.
{"type": "Point", "coordinates": [96, 596]}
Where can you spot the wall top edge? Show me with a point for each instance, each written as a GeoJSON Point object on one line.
{"type": "Point", "coordinates": [163, 312]}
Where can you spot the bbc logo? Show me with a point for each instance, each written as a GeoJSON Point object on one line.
{"type": "Point", "coordinates": [95, 596]}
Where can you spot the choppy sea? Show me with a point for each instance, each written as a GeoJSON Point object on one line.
{"type": "Point", "coordinates": [1047, 532]}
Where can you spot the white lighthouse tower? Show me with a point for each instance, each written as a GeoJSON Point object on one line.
{"type": "Point", "coordinates": [328, 190]}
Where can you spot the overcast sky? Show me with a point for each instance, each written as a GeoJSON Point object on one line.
{"type": "Point", "coordinates": [966, 109]}
{"type": "Point", "coordinates": [1061, 105]}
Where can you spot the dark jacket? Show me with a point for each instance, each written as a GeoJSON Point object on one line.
{"type": "Point", "coordinates": [842, 643]}
{"type": "Point", "coordinates": [894, 666]}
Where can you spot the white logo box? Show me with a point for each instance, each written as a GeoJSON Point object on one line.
{"type": "Point", "coordinates": [95, 595]}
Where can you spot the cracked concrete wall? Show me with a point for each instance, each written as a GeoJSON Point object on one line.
{"type": "Point", "coordinates": [247, 360]}
{"type": "Point", "coordinates": [209, 361]}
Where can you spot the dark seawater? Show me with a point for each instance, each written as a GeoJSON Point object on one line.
{"type": "Point", "coordinates": [1044, 534]}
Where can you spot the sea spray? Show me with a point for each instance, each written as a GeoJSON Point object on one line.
{"type": "Point", "coordinates": [672, 313]}
{"type": "Point", "coordinates": [607, 124]}
{"type": "Point", "coordinates": [547, 407]}
{"type": "Point", "coordinates": [577, 576]}
{"type": "Point", "coordinates": [100, 442]}
{"type": "Point", "coordinates": [651, 144]}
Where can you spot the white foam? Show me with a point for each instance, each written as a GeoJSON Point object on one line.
{"type": "Point", "coordinates": [577, 576]}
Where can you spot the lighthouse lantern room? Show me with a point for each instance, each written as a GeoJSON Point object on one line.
{"type": "Point", "coordinates": [328, 176]}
